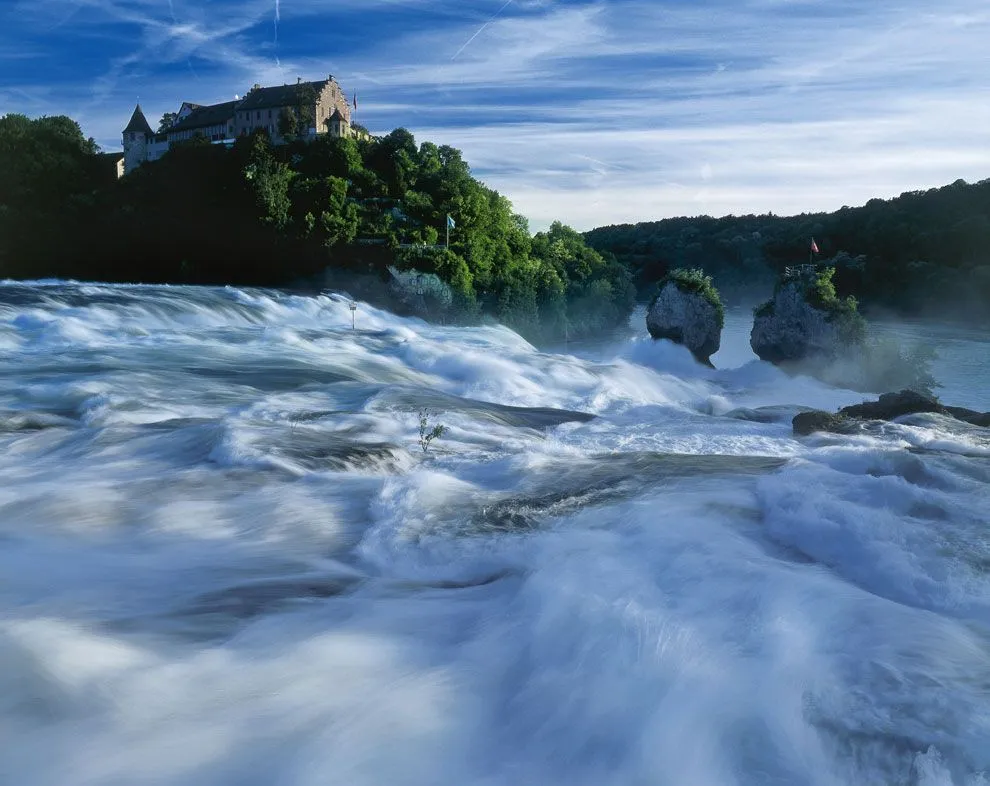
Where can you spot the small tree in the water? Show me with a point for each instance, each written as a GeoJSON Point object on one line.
{"type": "Point", "coordinates": [427, 434]}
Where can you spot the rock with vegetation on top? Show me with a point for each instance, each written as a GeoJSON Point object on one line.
{"type": "Point", "coordinates": [687, 310]}
{"type": "Point", "coordinates": [888, 407]}
{"type": "Point", "coordinates": [806, 320]}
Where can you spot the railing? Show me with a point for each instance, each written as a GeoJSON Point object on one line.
{"type": "Point", "coordinates": [799, 271]}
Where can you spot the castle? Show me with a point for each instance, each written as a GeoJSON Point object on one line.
{"type": "Point", "coordinates": [269, 108]}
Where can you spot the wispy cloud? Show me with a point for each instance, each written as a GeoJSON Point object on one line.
{"type": "Point", "coordinates": [592, 112]}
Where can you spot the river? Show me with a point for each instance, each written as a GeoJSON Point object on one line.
{"type": "Point", "coordinates": [225, 557]}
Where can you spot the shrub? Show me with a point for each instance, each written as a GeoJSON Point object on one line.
{"type": "Point", "coordinates": [427, 434]}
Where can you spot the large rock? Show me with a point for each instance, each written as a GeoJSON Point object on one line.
{"type": "Point", "coordinates": [887, 407]}
{"type": "Point", "coordinates": [893, 405]}
{"type": "Point", "coordinates": [789, 328]}
{"type": "Point", "coordinates": [686, 318]}
{"type": "Point", "coordinates": [806, 423]}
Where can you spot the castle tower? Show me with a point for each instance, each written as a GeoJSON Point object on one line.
{"type": "Point", "coordinates": [337, 125]}
{"type": "Point", "coordinates": [137, 134]}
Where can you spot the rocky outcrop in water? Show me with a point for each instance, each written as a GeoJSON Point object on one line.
{"type": "Point", "coordinates": [888, 407]}
{"type": "Point", "coordinates": [806, 423]}
{"type": "Point", "coordinates": [805, 320]}
{"type": "Point", "coordinates": [692, 318]}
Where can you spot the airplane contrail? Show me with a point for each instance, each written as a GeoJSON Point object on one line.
{"type": "Point", "coordinates": [482, 28]}
{"type": "Point", "coordinates": [278, 17]}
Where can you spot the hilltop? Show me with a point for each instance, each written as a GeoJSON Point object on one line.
{"type": "Point", "coordinates": [923, 252]}
{"type": "Point", "coordinates": [360, 212]}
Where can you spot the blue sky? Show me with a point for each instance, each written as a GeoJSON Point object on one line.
{"type": "Point", "coordinates": [591, 112]}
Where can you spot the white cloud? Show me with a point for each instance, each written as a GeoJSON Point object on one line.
{"type": "Point", "coordinates": [614, 111]}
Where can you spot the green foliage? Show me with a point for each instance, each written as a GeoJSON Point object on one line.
{"type": "Point", "coordinates": [264, 214]}
{"type": "Point", "coordinates": [921, 252]}
{"type": "Point", "coordinates": [576, 287]}
{"type": "Point", "coordinates": [168, 120]}
{"type": "Point", "coordinates": [427, 433]}
{"type": "Point", "coordinates": [48, 172]}
{"type": "Point", "coordinates": [819, 292]}
{"type": "Point", "coordinates": [270, 181]}
{"type": "Point", "coordinates": [694, 281]}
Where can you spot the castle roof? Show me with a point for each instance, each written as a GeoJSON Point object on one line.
{"type": "Point", "coordinates": [337, 115]}
{"type": "Point", "coordinates": [279, 96]}
{"type": "Point", "coordinates": [139, 123]}
{"type": "Point", "coordinates": [205, 116]}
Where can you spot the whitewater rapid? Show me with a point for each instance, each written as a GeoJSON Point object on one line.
{"type": "Point", "coordinates": [225, 559]}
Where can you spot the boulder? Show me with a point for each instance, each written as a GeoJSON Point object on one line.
{"type": "Point", "coordinates": [893, 405]}
{"type": "Point", "coordinates": [887, 407]}
{"type": "Point", "coordinates": [790, 328]}
{"type": "Point", "coordinates": [807, 320]}
{"type": "Point", "coordinates": [805, 423]}
{"type": "Point", "coordinates": [970, 416]}
{"type": "Point", "coordinates": [687, 318]}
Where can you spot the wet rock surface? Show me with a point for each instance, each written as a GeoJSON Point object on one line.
{"type": "Point", "coordinates": [685, 318]}
{"type": "Point", "coordinates": [792, 329]}
{"type": "Point", "coordinates": [888, 407]}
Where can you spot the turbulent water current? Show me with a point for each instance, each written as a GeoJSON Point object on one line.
{"type": "Point", "coordinates": [225, 558]}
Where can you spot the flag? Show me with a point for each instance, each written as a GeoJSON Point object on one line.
{"type": "Point", "coordinates": [814, 246]}
{"type": "Point", "coordinates": [450, 222]}
{"type": "Point", "coordinates": [355, 102]}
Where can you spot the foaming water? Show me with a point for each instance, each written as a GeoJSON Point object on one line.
{"type": "Point", "coordinates": [225, 558]}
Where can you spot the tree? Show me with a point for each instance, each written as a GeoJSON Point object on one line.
{"type": "Point", "coordinates": [264, 214]}
{"type": "Point", "coordinates": [168, 120]}
{"type": "Point", "coordinates": [270, 180]}
{"type": "Point", "coordinates": [288, 123]}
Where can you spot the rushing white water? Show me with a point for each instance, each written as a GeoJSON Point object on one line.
{"type": "Point", "coordinates": [224, 559]}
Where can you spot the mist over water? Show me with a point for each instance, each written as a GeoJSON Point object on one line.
{"type": "Point", "coordinates": [224, 558]}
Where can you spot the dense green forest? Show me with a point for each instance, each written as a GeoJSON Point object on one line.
{"type": "Point", "coordinates": [924, 252]}
{"type": "Point", "coordinates": [338, 211]}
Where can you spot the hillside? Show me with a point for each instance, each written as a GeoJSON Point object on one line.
{"type": "Point", "coordinates": [343, 212]}
{"type": "Point", "coordinates": [924, 252]}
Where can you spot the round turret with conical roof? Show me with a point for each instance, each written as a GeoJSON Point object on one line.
{"type": "Point", "coordinates": [136, 136]}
